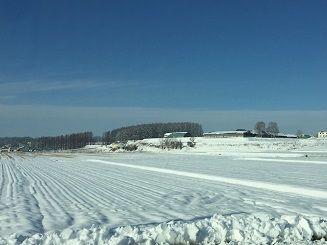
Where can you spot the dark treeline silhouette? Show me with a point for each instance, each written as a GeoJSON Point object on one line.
{"type": "Point", "coordinates": [152, 130]}
{"type": "Point", "coordinates": [15, 141]}
{"type": "Point", "coordinates": [63, 142]}
{"type": "Point", "coordinates": [79, 140]}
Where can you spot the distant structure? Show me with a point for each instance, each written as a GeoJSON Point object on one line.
{"type": "Point", "coordinates": [288, 136]}
{"type": "Point", "coordinates": [242, 133]}
{"type": "Point", "coordinates": [229, 134]}
{"type": "Point", "coordinates": [322, 134]}
{"type": "Point", "coordinates": [265, 134]}
{"type": "Point", "coordinates": [177, 135]}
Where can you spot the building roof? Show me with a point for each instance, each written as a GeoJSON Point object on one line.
{"type": "Point", "coordinates": [287, 135]}
{"type": "Point", "coordinates": [227, 132]}
{"type": "Point", "coordinates": [167, 134]}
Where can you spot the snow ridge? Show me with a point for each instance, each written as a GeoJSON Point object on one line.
{"type": "Point", "coordinates": [259, 228]}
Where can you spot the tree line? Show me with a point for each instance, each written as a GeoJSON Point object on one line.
{"type": "Point", "coordinates": [151, 130]}
{"type": "Point", "coordinates": [123, 134]}
{"type": "Point", "coordinates": [15, 141]}
{"type": "Point", "coordinates": [62, 142]}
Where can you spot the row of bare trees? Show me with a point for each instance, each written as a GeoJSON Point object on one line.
{"type": "Point", "coordinates": [63, 142]}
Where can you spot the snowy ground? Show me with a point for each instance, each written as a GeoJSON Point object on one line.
{"type": "Point", "coordinates": [222, 191]}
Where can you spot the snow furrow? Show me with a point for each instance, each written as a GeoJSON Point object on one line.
{"type": "Point", "coordinates": [77, 208]}
{"type": "Point", "coordinates": [253, 184]}
{"type": "Point", "coordinates": [74, 192]}
{"type": "Point", "coordinates": [123, 185]}
{"type": "Point", "coordinates": [137, 194]}
{"type": "Point", "coordinates": [77, 183]}
{"type": "Point", "coordinates": [2, 180]}
{"type": "Point", "coordinates": [19, 206]}
{"type": "Point", "coordinates": [114, 175]}
{"type": "Point", "coordinates": [49, 199]}
{"type": "Point", "coordinates": [275, 172]}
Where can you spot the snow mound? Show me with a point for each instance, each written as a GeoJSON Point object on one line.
{"type": "Point", "coordinates": [259, 228]}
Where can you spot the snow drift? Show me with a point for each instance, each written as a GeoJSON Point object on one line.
{"type": "Point", "coordinates": [260, 228]}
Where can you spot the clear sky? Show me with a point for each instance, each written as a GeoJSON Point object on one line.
{"type": "Point", "coordinates": [243, 58]}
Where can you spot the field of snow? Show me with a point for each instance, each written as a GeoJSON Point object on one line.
{"type": "Point", "coordinates": [223, 190]}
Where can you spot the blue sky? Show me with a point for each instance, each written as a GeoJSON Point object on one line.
{"type": "Point", "coordinates": [185, 55]}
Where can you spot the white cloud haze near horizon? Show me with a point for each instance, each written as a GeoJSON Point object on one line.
{"type": "Point", "coordinates": [34, 86]}
{"type": "Point", "coordinates": [38, 120]}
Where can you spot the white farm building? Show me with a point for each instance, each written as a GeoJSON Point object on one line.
{"type": "Point", "coordinates": [177, 135]}
{"type": "Point", "coordinates": [322, 134]}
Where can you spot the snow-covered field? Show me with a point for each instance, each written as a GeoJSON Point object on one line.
{"type": "Point", "coordinates": [223, 190]}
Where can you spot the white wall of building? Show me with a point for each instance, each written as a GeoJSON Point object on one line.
{"type": "Point", "coordinates": [322, 134]}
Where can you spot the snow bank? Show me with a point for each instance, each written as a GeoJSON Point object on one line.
{"type": "Point", "coordinates": [227, 146]}
{"type": "Point", "coordinates": [257, 228]}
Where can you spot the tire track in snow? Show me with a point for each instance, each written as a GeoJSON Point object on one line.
{"type": "Point", "coordinates": [248, 183]}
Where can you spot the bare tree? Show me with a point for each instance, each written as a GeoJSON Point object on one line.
{"type": "Point", "coordinates": [272, 128]}
{"type": "Point", "coordinates": [171, 144]}
{"type": "Point", "coordinates": [260, 127]}
{"type": "Point", "coordinates": [191, 142]}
